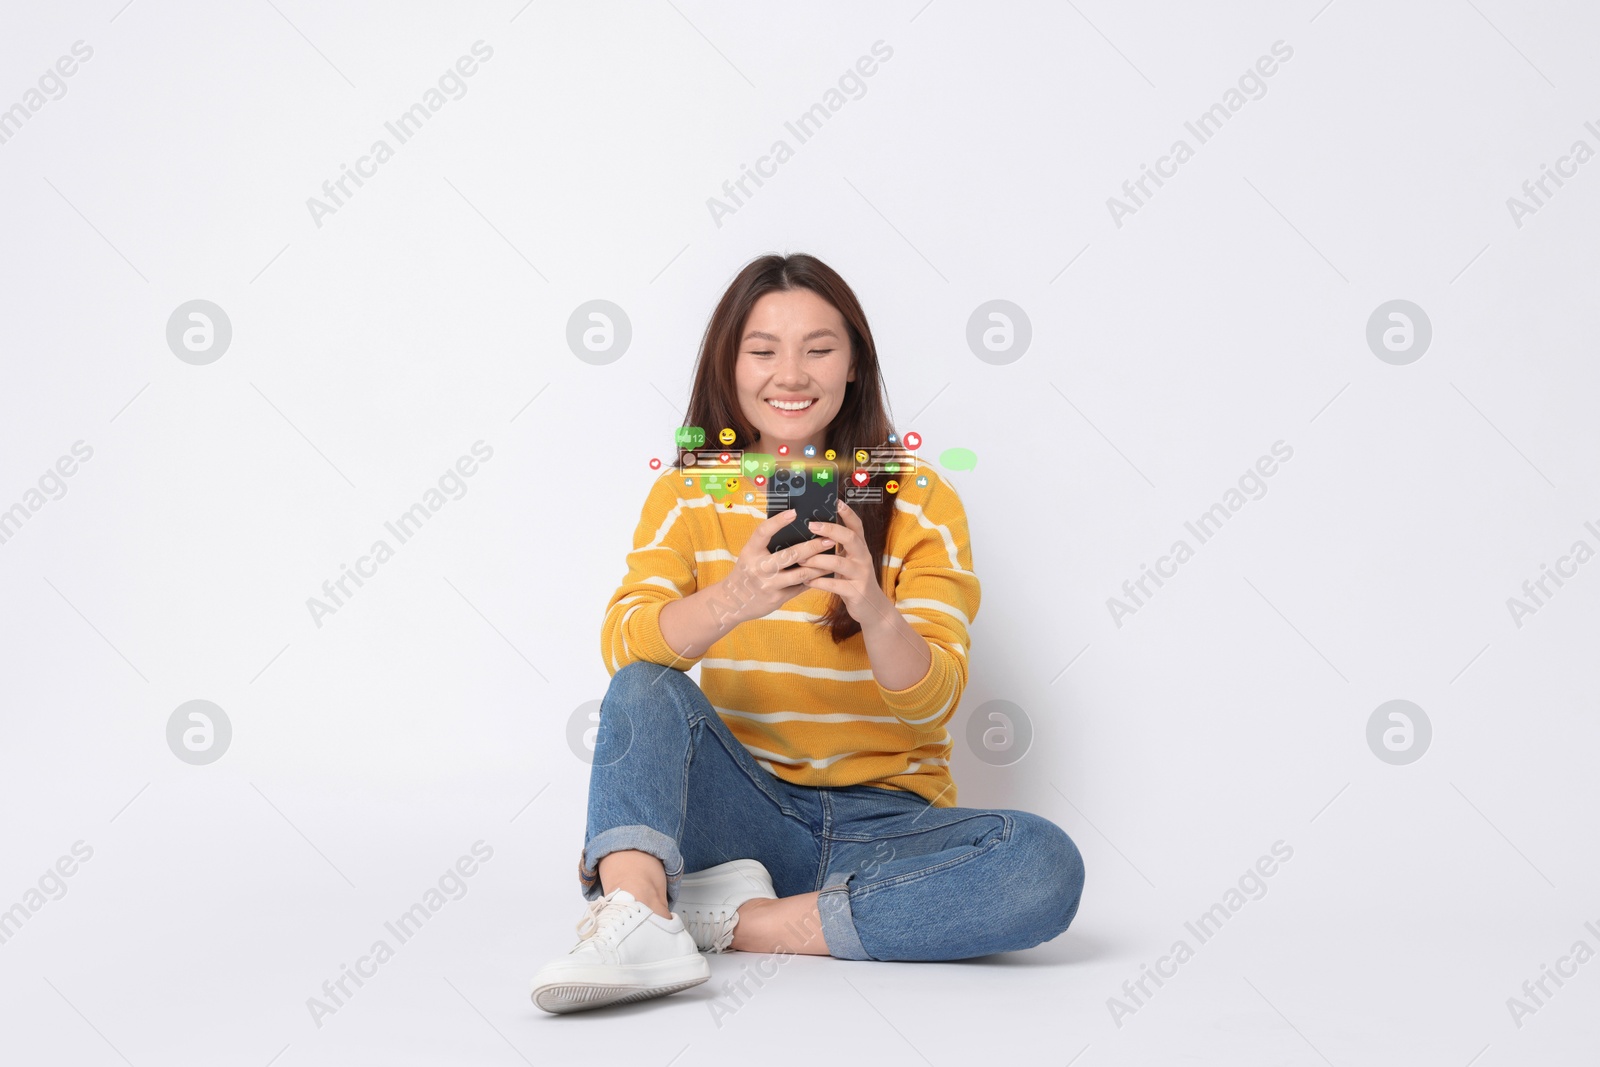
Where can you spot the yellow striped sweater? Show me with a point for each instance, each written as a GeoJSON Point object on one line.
{"type": "Point", "coordinates": [810, 711]}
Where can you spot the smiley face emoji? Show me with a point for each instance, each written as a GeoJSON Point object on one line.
{"type": "Point", "coordinates": [726, 435]}
{"type": "Point", "coordinates": [830, 454]}
{"type": "Point", "coordinates": [891, 486]}
{"type": "Point", "coordinates": [733, 485]}
{"type": "Point", "coordinates": [861, 455]}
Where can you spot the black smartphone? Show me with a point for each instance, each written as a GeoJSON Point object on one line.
{"type": "Point", "coordinates": [812, 489]}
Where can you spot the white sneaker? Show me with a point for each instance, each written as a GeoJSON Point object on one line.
{"type": "Point", "coordinates": [625, 952]}
{"type": "Point", "coordinates": [709, 900]}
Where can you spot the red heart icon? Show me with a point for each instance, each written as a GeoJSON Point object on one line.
{"type": "Point", "coordinates": [861, 477]}
{"type": "Point", "coordinates": [655, 464]}
{"type": "Point", "coordinates": [912, 439]}
{"type": "Point", "coordinates": [725, 457]}
{"type": "Point", "coordinates": [761, 479]}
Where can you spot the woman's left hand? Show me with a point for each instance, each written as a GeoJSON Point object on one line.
{"type": "Point", "coordinates": [855, 578]}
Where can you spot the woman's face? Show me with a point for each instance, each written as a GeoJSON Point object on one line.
{"type": "Point", "coordinates": [794, 361]}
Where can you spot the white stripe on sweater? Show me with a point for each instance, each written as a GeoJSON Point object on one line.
{"type": "Point", "coordinates": [917, 765]}
{"type": "Point", "coordinates": [826, 761]}
{"type": "Point", "coordinates": [622, 634]}
{"type": "Point", "coordinates": [804, 716]}
{"type": "Point", "coordinates": [943, 531]}
{"type": "Point", "coordinates": [934, 605]}
{"type": "Point", "coordinates": [786, 668]}
{"type": "Point", "coordinates": [935, 715]}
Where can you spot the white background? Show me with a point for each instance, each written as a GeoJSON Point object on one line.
{"type": "Point", "coordinates": [369, 353]}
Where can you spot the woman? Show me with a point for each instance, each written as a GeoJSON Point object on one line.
{"type": "Point", "coordinates": [808, 785]}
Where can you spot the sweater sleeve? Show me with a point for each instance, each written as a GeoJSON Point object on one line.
{"type": "Point", "coordinates": [661, 569]}
{"type": "Point", "coordinates": [938, 593]}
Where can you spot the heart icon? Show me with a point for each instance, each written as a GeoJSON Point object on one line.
{"type": "Point", "coordinates": [761, 479]}
{"type": "Point", "coordinates": [860, 477]}
{"type": "Point", "coordinates": [913, 439]}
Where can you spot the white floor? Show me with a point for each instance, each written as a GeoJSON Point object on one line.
{"type": "Point", "coordinates": [1371, 945]}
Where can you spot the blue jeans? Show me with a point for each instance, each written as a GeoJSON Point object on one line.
{"type": "Point", "coordinates": [898, 879]}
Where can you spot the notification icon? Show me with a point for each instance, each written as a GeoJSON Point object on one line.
{"type": "Point", "coordinates": [783, 450]}
{"type": "Point", "coordinates": [655, 464]}
{"type": "Point", "coordinates": [761, 479]}
{"type": "Point", "coordinates": [860, 477]}
{"type": "Point", "coordinates": [913, 439]}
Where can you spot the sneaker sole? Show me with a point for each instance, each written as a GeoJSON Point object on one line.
{"type": "Point", "coordinates": [579, 992]}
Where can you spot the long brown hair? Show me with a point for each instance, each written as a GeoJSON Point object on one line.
{"type": "Point", "coordinates": [863, 418]}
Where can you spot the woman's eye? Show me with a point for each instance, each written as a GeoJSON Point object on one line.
{"type": "Point", "coordinates": [821, 351]}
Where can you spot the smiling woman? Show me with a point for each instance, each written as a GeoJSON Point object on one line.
{"type": "Point", "coordinates": [805, 372]}
{"type": "Point", "coordinates": [799, 799]}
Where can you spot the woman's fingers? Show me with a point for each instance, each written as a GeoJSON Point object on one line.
{"type": "Point", "coordinates": [852, 542]}
{"type": "Point", "coordinates": [852, 520]}
{"type": "Point", "coordinates": [804, 550]}
{"type": "Point", "coordinates": [764, 530]}
{"type": "Point", "coordinates": [796, 576]}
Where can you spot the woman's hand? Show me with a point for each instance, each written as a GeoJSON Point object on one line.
{"type": "Point", "coordinates": [762, 581]}
{"type": "Point", "coordinates": [855, 574]}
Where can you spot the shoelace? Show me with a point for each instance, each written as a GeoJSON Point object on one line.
{"type": "Point", "coordinates": [602, 918]}
{"type": "Point", "coordinates": [718, 923]}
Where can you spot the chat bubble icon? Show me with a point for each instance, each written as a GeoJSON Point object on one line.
{"type": "Point", "coordinates": [689, 437]}
{"type": "Point", "coordinates": [715, 484]}
{"type": "Point", "coordinates": [822, 475]}
{"type": "Point", "coordinates": [958, 459]}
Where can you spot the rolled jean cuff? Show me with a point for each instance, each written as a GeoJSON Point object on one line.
{"type": "Point", "coordinates": [838, 926]}
{"type": "Point", "coordinates": [643, 838]}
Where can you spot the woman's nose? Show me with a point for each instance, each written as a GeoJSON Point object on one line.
{"type": "Point", "coordinates": [790, 369]}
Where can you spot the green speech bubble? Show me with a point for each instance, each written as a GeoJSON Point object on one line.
{"type": "Point", "coordinates": [958, 459]}
{"type": "Point", "coordinates": [755, 463]}
{"type": "Point", "coordinates": [689, 437]}
{"type": "Point", "coordinates": [715, 484]}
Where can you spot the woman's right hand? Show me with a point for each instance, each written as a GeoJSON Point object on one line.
{"type": "Point", "coordinates": [762, 581]}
